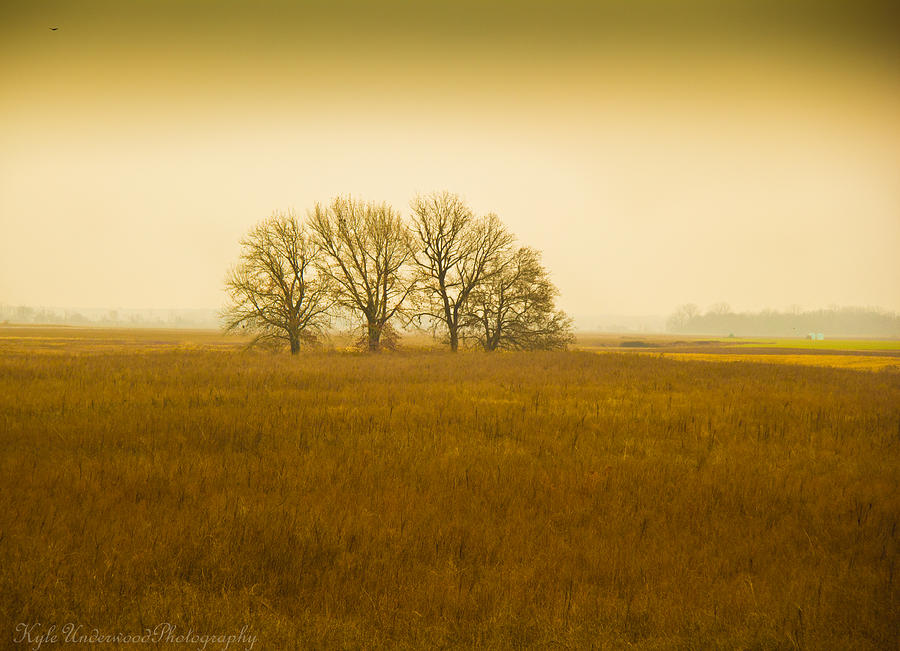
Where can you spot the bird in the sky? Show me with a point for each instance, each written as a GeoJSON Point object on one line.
{"type": "Point", "coordinates": [53, 29]}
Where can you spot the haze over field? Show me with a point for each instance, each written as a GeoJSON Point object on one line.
{"type": "Point", "coordinates": [656, 157]}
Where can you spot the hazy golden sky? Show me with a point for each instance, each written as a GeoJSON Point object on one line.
{"type": "Point", "coordinates": [667, 153]}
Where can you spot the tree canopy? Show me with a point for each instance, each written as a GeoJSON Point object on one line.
{"type": "Point", "coordinates": [445, 269]}
{"type": "Point", "coordinates": [276, 290]}
{"type": "Point", "coordinates": [455, 253]}
{"type": "Point", "coordinates": [514, 308]}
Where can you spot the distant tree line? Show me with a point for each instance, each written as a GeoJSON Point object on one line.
{"type": "Point", "coordinates": [26, 314]}
{"type": "Point", "coordinates": [125, 318]}
{"type": "Point", "coordinates": [444, 269]}
{"type": "Point", "coordinates": [719, 319]}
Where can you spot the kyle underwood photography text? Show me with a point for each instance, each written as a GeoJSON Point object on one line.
{"type": "Point", "coordinates": [34, 636]}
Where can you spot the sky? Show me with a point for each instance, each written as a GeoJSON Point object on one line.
{"type": "Point", "coordinates": [657, 152]}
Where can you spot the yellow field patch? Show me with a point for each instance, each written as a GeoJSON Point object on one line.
{"type": "Point", "coordinates": [859, 362]}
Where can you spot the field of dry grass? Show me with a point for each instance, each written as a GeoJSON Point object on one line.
{"type": "Point", "coordinates": [860, 354]}
{"type": "Point", "coordinates": [421, 499]}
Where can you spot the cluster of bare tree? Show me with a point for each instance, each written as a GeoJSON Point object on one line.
{"type": "Point", "coordinates": [447, 270]}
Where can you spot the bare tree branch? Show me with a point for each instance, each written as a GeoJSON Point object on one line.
{"type": "Point", "coordinates": [367, 254]}
{"type": "Point", "coordinates": [455, 251]}
{"type": "Point", "coordinates": [514, 308]}
{"type": "Point", "coordinates": [276, 292]}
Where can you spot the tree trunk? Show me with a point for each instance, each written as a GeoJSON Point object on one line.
{"type": "Point", "coordinates": [487, 334]}
{"type": "Point", "coordinates": [452, 319]}
{"type": "Point", "coordinates": [295, 344]}
{"type": "Point", "coordinates": [374, 337]}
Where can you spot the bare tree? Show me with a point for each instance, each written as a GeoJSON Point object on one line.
{"type": "Point", "coordinates": [514, 308]}
{"type": "Point", "coordinates": [275, 290]}
{"type": "Point", "coordinates": [454, 252]}
{"type": "Point", "coordinates": [682, 316]}
{"type": "Point", "coordinates": [368, 252]}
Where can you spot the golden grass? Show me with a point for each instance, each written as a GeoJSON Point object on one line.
{"type": "Point", "coordinates": [422, 499]}
{"type": "Point", "coordinates": [858, 362]}
{"type": "Point", "coordinates": [75, 340]}
{"type": "Point", "coordinates": [859, 354]}
{"type": "Point", "coordinates": [602, 341]}
{"type": "Point", "coordinates": [827, 344]}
